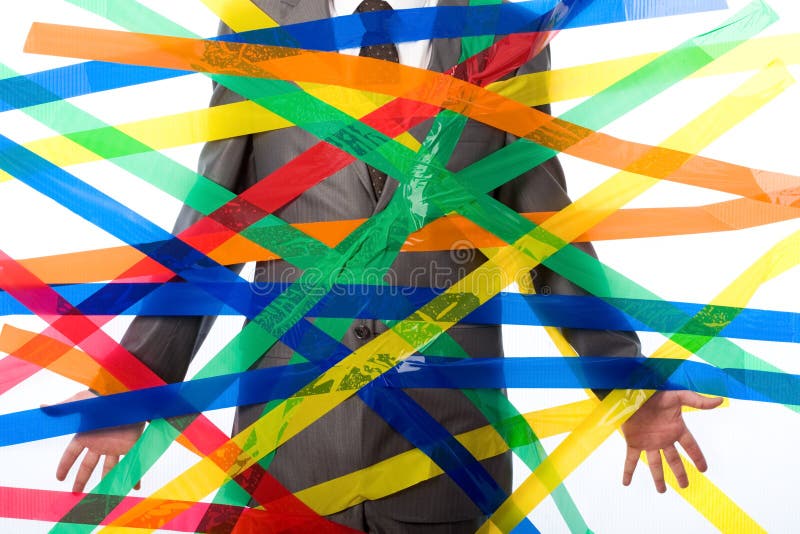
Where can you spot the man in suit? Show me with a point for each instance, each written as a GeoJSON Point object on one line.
{"type": "Point", "coordinates": [352, 435]}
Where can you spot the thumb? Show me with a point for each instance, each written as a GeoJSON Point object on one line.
{"type": "Point", "coordinates": [695, 400]}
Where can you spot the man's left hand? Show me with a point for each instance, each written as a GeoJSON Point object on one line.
{"type": "Point", "coordinates": [657, 426]}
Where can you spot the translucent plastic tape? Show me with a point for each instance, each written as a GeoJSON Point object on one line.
{"type": "Point", "coordinates": [397, 302]}
{"type": "Point", "coordinates": [263, 385]}
{"type": "Point", "coordinates": [111, 263]}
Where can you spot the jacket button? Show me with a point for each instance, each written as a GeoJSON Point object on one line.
{"type": "Point", "coordinates": [361, 331]}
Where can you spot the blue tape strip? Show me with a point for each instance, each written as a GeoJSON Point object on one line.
{"type": "Point", "coordinates": [402, 25]}
{"type": "Point", "coordinates": [426, 434]}
{"type": "Point", "coordinates": [105, 212]}
{"type": "Point", "coordinates": [345, 32]}
{"type": "Point", "coordinates": [264, 385]}
{"type": "Point", "coordinates": [398, 302]}
{"type": "Point", "coordinates": [75, 80]}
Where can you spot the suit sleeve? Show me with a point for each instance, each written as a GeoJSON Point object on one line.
{"type": "Point", "coordinates": [168, 344]}
{"type": "Point", "coordinates": [544, 189]}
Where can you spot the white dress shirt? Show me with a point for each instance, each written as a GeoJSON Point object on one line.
{"type": "Point", "coordinates": [413, 53]}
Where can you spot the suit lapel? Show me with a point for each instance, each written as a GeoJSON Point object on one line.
{"type": "Point", "coordinates": [305, 10]}
{"type": "Point", "coordinates": [296, 11]}
{"type": "Point", "coordinates": [444, 54]}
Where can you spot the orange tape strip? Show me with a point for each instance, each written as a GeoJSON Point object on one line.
{"type": "Point", "coordinates": [109, 263]}
{"type": "Point", "coordinates": [415, 84]}
{"type": "Point", "coordinates": [37, 349]}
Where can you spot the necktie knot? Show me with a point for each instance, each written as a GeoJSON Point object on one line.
{"type": "Point", "coordinates": [386, 51]}
{"type": "Point", "coordinates": [368, 6]}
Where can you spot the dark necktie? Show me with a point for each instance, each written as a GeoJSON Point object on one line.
{"type": "Point", "coordinates": [386, 52]}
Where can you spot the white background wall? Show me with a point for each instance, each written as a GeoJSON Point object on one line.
{"type": "Point", "coordinates": [751, 447]}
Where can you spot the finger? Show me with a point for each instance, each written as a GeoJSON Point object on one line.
{"type": "Point", "coordinates": [631, 459]}
{"type": "Point", "coordinates": [695, 400]}
{"type": "Point", "coordinates": [109, 463]}
{"type": "Point", "coordinates": [85, 471]}
{"type": "Point", "coordinates": [675, 463]}
{"type": "Point", "coordinates": [71, 453]}
{"type": "Point", "coordinates": [656, 470]}
{"type": "Point", "coordinates": [691, 447]}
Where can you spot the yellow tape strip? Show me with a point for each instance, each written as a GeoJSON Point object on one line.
{"type": "Point", "coordinates": [384, 352]}
{"type": "Point", "coordinates": [585, 80]}
{"type": "Point", "coordinates": [720, 510]}
{"type": "Point", "coordinates": [414, 466]}
{"type": "Point", "coordinates": [241, 15]}
{"type": "Point", "coordinates": [209, 124]}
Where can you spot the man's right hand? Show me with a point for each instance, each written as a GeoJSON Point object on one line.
{"type": "Point", "coordinates": [110, 443]}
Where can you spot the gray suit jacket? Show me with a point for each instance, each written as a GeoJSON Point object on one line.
{"type": "Point", "coordinates": [352, 436]}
